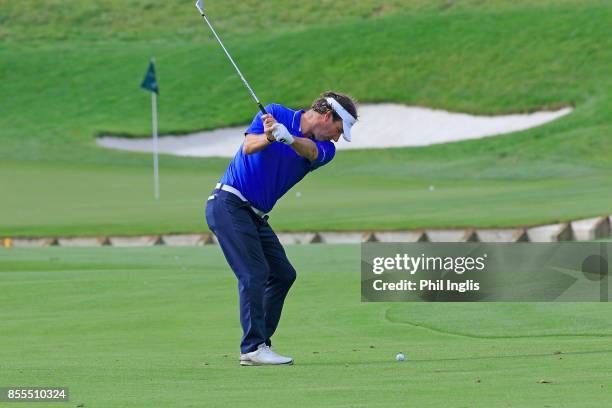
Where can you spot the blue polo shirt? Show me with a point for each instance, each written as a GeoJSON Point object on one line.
{"type": "Point", "coordinates": [265, 176]}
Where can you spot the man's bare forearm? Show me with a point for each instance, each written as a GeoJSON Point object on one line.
{"type": "Point", "coordinates": [305, 148]}
{"type": "Point", "coordinates": [255, 143]}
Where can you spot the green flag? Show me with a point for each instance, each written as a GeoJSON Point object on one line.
{"type": "Point", "coordinates": [149, 82]}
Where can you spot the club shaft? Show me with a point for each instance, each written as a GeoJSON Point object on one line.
{"type": "Point", "coordinates": [261, 108]}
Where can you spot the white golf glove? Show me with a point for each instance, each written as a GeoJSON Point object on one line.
{"type": "Point", "coordinates": [281, 134]}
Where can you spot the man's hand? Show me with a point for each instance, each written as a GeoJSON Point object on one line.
{"type": "Point", "coordinates": [269, 122]}
{"type": "Point", "coordinates": [281, 134]}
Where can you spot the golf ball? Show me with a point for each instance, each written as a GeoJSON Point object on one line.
{"type": "Point", "coordinates": [432, 188]}
{"type": "Point", "coordinates": [298, 194]}
{"type": "Point", "coordinates": [400, 357]}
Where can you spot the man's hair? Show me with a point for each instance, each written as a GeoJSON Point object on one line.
{"type": "Point", "coordinates": [322, 106]}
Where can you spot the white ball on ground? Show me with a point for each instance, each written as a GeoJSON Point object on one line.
{"type": "Point", "coordinates": [298, 194]}
{"type": "Point", "coordinates": [400, 357]}
{"type": "Point", "coordinates": [432, 188]}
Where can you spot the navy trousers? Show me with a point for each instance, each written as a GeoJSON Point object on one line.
{"type": "Point", "coordinates": [258, 260]}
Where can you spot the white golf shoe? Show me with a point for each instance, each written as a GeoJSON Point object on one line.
{"type": "Point", "coordinates": [264, 355]}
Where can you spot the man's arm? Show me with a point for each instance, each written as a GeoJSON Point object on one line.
{"type": "Point", "coordinates": [305, 148]}
{"type": "Point", "coordinates": [255, 143]}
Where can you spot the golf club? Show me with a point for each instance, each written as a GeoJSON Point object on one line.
{"type": "Point", "coordinates": [200, 6]}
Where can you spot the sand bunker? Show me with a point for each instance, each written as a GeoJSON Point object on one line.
{"type": "Point", "coordinates": [379, 126]}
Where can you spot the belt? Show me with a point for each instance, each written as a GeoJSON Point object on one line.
{"type": "Point", "coordinates": [238, 194]}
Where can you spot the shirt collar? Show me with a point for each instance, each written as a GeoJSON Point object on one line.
{"type": "Point", "coordinates": [295, 122]}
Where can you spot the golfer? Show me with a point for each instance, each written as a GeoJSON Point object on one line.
{"type": "Point", "coordinates": [279, 149]}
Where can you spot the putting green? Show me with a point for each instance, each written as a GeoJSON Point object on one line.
{"type": "Point", "coordinates": [158, 327]}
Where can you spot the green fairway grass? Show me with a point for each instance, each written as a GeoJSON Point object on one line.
{"type": "Point", "coordinates": [72, 72]}
{"type": "Point", "coordinates": [54, 208]}
{"type": "Point", "coordinates": [158, 327]}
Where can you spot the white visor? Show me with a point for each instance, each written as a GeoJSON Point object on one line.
{"type": "Point", "coordinates": [347, 119]}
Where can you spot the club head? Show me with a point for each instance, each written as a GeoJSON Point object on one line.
{"type": "Point", "coordinates": [200, 6]}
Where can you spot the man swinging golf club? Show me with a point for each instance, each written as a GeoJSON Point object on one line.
{"type": "Point", "coordinates": [279, 149]}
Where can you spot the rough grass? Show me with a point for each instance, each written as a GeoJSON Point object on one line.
{"type": "Point", "coordinates": [133, 20]}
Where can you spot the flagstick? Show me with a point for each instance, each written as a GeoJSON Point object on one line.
{"type": "Point", "coordinates": [155, 160]}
